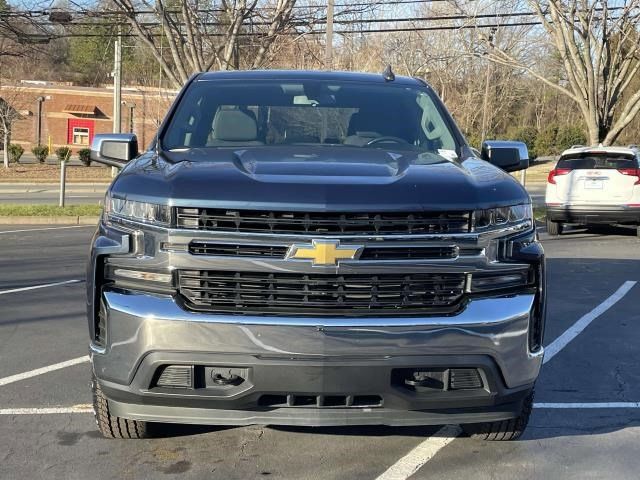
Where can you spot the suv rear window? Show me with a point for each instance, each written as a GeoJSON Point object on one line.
{"type": "Point", "coordinates": [600, 161]}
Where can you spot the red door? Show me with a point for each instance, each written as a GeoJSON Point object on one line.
{"type": "Point", "coordinates": [80, 131]}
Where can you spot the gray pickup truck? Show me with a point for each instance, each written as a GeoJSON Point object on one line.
{"type": "Point", "coordinates": [314, 249]}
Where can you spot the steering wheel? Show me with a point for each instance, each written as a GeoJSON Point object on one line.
{"type": "Point", "coordinates": [387, 139]}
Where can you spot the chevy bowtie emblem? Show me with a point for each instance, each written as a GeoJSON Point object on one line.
{"type": "Point", "coordinates": [324, 252]}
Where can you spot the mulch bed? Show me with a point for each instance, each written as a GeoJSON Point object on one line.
{"type": "Point", "coordinates": [39, 173]}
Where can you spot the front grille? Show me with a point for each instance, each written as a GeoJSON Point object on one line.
{"type": "Point", "coordinates": [320, 294]}
{"type": "Point", "coordinates": [222, 249]}
{"type": "Point", "coordinates": [322, 223]}
{"type": "Point", "coordinates": [198, 247]}
{"type": "Point", "coordinates": [405, 253]}
{"type": "Point", "coordinates": [319, 401]}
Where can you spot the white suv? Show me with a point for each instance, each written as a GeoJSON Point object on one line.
{"type": "Point", "coordinates": [594, 185]}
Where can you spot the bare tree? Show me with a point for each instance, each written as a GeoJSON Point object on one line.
{"type": "Point", "coordinates": [12, 100]}
{"type": "Point", "coordinates": [188, 36]}
{"type": "Point", "coordinates": [598, 46]}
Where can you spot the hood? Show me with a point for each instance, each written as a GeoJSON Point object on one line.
{"type": "Point", "coordinates": [320, 178]}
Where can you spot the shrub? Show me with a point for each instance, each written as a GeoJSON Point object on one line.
{"type": "Point", "coordinates": [545, 143]}
{"type": "Point", "coordinates": [41, 152]}
{"type": "Point", "coordinates": [474, 140]}
{"type": "Point", "coordinates": [570, 135]}
{"type": "Point", "coordinates": [63, 153]}
{"type": "Point", "coordinates": [84, 154]}
{"type": "Point", "coordinates": [528, 136]}
{"type": "Point", "coordinates": [554, 139]}
{"type": "Point", "coordinates": [15, 152]}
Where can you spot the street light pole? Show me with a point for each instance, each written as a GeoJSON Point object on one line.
{"type": "Point", "coordinates": [329, 40]}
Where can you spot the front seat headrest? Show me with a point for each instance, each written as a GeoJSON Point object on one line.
{"type": "Point", "coordinates": [234, 126]}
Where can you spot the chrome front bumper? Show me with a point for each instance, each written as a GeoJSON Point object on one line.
{"type": "Point", "coordinates": [140, 324]}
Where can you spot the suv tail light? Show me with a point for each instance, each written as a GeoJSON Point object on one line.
{"type": "Point", "coordinates": [632, 172]}
{"type": "Point", "coordinates": [555, 172]}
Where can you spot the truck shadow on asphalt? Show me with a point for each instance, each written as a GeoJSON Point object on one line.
{"type": "Point", "coordinates": [594, 231]}
{"type": "Point", "coordinates": [159, 431]}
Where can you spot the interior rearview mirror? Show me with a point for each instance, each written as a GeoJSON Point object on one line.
{"type": "Point", "coordinates": [114, 149]}
{"type": "Point", "coordinates": [508, 155]}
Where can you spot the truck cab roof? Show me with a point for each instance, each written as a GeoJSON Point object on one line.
{"type": "Point", "coordinates": [309, 75]}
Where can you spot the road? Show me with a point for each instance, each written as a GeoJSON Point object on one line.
{"type": "Point", "coordinates": [567, 437]}
{"type": "Point", "coordinates": [49, 194]}
{"type": "Point", "coordinates": [28, 194]}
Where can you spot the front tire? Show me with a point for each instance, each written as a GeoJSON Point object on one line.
{"type": "Point", "coordinates": [554, 228]}
{"type": "Point", "coordinates": [111, 426]}
{"type": "Point", "coordinates": [504, 430]}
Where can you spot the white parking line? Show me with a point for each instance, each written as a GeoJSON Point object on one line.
{"type": "Point", "coordinates": [34, 287]}
{"type": "Point", "coordinates": [39, 371]}
{"type": "Point", "coordinates": [421, 454]}
{"type": "Point", "coordinates": [559, 343]}
{"type": "Point", "coordinates": [588, 405]}
{"type": "Point", "coordinates": [45, 228]}
{"type": "Point", "coordinates": [46, 411]}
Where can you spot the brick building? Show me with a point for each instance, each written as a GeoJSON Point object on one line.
{"type": "Point", "coordinates": [71, 116]}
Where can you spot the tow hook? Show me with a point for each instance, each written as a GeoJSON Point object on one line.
{"type": "Point", "coordinates": [224, 377]}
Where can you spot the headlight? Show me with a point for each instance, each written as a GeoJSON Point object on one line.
{"type": "Point", "coordinates": [502, 217]}
{"type": "Point", "coordinates": [137, 211]}
{"type": "Point", "coordinates": [482, 282]}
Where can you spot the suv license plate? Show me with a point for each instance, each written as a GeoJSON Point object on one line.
{"type": "Point", "coordinates": [593, 184]}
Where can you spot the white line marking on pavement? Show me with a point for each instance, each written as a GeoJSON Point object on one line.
{"type": "Point", "coordinates": [46, 411]}
{"type": "Point", "coordinates": [421, 454]}
{"type": "Point", "coordinates": [572, 332]}
{"type": "Point", "coordinates": [46, 285]}
{"type": "Point", "coordinates": [45, 228]}
{"type": "Point", "coordinates": [588, 405]}
{"type": "Point", "coordinates": [39, 371]}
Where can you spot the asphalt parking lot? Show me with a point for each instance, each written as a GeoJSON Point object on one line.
{"type": "Point", "coordinates": [586, 423]}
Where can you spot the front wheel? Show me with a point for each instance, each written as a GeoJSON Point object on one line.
{"type": "Point", "coordinates": [554, 228]}
{"type": "Point", "coordinates": [111, 426]}
{"type": "Point", "coordinates": [504, 430]}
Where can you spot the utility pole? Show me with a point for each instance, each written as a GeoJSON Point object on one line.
{"type": "Point", "coordinates": [487, 80]}
{"type": "Point", "coordinates": [329, 39]}
{"type": "Point", "coordinates": [117, 83]}
{"type": "Point", "coordinates": [117, 88]}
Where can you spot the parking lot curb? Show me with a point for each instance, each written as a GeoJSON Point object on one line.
{"type": "Point", "coordinates": [52, 220]}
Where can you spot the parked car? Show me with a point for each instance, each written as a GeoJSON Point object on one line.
{"type": "Point", "coordinates": [594, 185]}
{"type": "Point", "coordinates": [314, 248]}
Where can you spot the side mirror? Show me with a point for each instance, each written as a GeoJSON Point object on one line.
{"type": "Point", "coordinates": [114, 149]}
{"type": "Point", "coordinates": [509, 156]}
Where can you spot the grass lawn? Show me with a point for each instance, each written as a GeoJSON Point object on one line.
{"type": "Point", "coordinates": [540, 213]}
{"type": "Point", "coordinates": [50, 211]}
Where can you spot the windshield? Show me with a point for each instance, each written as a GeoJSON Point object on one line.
{"type": "Point", "coordinates": [266, 113]}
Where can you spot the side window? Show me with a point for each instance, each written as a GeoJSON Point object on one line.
{"type": "Point", "coordinates": [433, 128]}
